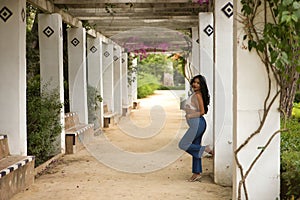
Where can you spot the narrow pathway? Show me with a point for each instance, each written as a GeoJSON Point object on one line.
{"type": "Point", "coordinates": [136, 159]}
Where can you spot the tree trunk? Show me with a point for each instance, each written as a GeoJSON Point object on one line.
{"type": "Point", "coordinates": [289, 89]}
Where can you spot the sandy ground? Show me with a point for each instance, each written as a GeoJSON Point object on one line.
{"type": "Point", "coordinates": [136, 159]}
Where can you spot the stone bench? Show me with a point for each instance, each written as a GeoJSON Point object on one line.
{"type": "Point", "coordinates": [76, 133]}
{"type": "Point", "coordinates": [126, 109]}
{"type": "Point", "coordinates": [16, 172]}
{"type": "Point", "coordinates": [136, 105]}
{"type": "Point", "coordinates": [108, 116]}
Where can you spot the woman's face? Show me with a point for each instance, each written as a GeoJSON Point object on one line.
{"type": "Point", "coordinates": [196, 85]}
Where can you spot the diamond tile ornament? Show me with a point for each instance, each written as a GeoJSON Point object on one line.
{"type": "Point", "coordinates": [75, 42]}
{"type": "Point", "coordinates": [48, 31]}
{"type": "Point", "coordinates": [5, 13]}
{"type": "Point", "coordinates": [106, 54]}
{"type": "Point", "coordinates": [228, 9]}
{"type": "Point", "coordinates": [93, 49]}
{"type": "Point", "coordinates": [208, 30]}
{"type": "Point", "coordinates": [23, 14]}
{"type": "Point", "coordinates": [116, 58]}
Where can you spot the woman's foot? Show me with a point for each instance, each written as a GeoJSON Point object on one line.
{"type": "Point", "coordinates": [195, 177]}
{"type": "Point", "coordinates": [209, 150]}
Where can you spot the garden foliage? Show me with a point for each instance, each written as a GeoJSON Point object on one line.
{"type": "Point", "coordinates": [43, 121]}
{"type": "Point", "coordinates": [290, 161]}
{"type": "Point", "coordinates": [147, 84]}
{"type": "Point", "coordinates": [93, 100]}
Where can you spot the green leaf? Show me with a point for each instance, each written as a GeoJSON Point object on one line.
{"type": "Point", "coordinates": [247, 9]}
{"type": "Point", "coordinates": [274, 56]}
{"type": "Point", "coordinates": [287, 2]}
{"type": "Point", "coordinates": [294, 18]}
{"type": "Point", "coordinates": [261, 46]}
{"type": "Point", "coordinates": [296, 5]}
{"type": "Point", "coordinates": [251, 44]}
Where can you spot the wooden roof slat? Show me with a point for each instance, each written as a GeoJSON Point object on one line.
{"type": "Point", "coordinates": [48, 7]}
{"type": "Point", "coordinates": [112, 17]}
{"type": "Point", "coordinates": [118, 1]}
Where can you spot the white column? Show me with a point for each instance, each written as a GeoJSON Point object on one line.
{"type": "Point", "coordinates": [195, 51]}
{"type": "Point", "coordinates": [206, 45]}
{"type": "Point", "coordinates": [130, 88]}
{"type": "Point", "coordinates": [51, 60]}
{"type": "Point", "coordinates": [95, 80]}
{"type": "Point", "coordinates": [134, 84]}
{"type": "Point", "coordinates": [223, 92]}
{"type": "Point", "coordinates": [125, 97]}
{"type": "Point", "coordinates": [251, 78]}
{"type": "Point", "coordinates": [108, 75]}
{"type": "Point", "coordinates": [13, 74]}
{"type": "Point", "coordinates": [77, 72]}
{"type": "Point", "coordinates": [117, 79]}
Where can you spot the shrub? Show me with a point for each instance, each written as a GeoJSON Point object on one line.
{"type": "Point", "coordinates": [147, 84]}
{"type": "Point", "coordinates": [93, 100]}
{"type": "Point", "coordinates": [180, 87]}
{"type": "Point", "coordinates": [144, 91]}
{"type": "Point", "coordinates": [43, 121]}
{"type": "Point", "coordinates": [296, 110]}
{"type": "Point", "coordinates": [290, 161]}
{"type": "Point", "coordinates": [297, 97]}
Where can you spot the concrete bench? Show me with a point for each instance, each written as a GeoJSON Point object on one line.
{"type": "Point", "coordinates": [108, 116]}
{"type": "Point", "coordinates": [16, 172]}
{"type": "Point", "coordinates": [76, 133]}
{"type": "Point", "coordinates": [126, 109]}
{"type": "Point", "coordinates": [136, 105]}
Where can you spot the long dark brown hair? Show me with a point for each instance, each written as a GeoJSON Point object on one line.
{"type": "Point", "coordinates": [204, 90]}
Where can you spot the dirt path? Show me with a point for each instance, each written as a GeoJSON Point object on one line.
{"type": "Point", "coordinates": [138, 159]}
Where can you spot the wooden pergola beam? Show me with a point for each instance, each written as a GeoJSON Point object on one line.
{"type": "Point", "coordinates": [117, 1]}
{"type": "Point", "coordinates": [48, 7]}
{"type": "Point", "coordinates": [131, 6]}
{"type": "Point", "coordinates": [112, 16]}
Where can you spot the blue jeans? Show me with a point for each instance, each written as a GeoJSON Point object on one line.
{"type": "Point", "coordinates": [191, 142]}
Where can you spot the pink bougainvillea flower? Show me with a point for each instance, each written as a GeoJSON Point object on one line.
{"type": "Point", "coordinates": [201, 1]}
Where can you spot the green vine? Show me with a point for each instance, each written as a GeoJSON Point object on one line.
{"type": "Point", "coordinates": [277, 43]}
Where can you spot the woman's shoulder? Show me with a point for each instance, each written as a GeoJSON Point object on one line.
{"type": "Point", "coordinates": [198, 94]}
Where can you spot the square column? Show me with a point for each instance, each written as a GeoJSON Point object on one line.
{"type": "Point", "coordinates": [95, 80]}
{"type": "Point", "coordinates": [117, 79]}
{"type": "Point", "coordinates": [250, 91]}
{"type": "Point", "coordinates": [13, 74]}
{"type": "Point", "coordinates": [195, 65]}
{"type": "Point", "coordinates": [51, 60]}
{"type": "Point", "coordinates": [125, 96]}
{"type": "Point", "coordinates": [77, 72]}
{"type": "Point", "coordinates": [223, 105]}
{"type": "Point", "coordinates": [206, 50]}
{"type": "Point", "coordinates": [108, 75]}
{"type": "Point", "coordinates": [134, 83]}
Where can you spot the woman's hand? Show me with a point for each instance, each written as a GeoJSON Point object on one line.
{"type": "Point", "coordinates": [187, 116]}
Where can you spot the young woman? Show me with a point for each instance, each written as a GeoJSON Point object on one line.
{"type": "Point", "coordinates": [196, 106]}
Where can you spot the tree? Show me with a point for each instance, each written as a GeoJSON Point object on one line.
{"type": "Point", "coordinates": [154, 64]}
